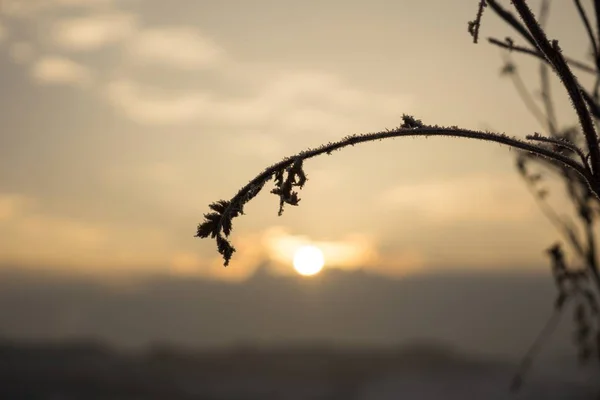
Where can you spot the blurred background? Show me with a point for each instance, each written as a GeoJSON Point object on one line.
{"type": "Point", "coordinates": [413, 267]}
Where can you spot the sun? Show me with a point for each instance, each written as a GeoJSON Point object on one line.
{"type": "Point", "coordinates": [308, 260]}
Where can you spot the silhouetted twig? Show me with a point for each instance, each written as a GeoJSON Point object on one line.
{"type": "Point", "coordinates": [289, 173]}
{"type": "Point", "coordinates": [476, 24]}
{"type": "Point", "coordinates": [519, 49]}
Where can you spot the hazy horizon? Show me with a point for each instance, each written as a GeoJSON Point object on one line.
{"type": "Point", "coordinates": [466, 310]}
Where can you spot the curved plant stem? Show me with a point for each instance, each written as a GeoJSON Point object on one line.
{"type": "Point", "coordinates": [218, 225]}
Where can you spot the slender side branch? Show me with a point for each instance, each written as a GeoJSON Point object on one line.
{"type": "Point", "coordinates": [594, 108]}
{"type": "Point", "coordinates": [588, 27]}
{"type": "Point", "coordinates": [476, 24]}
{"type": "Point", "coordinates": [561, 143]}
{"type": "Point", "coordinates": [593, 42]}
{"type": "Point", "coordinates": [218, 224]}
{"type": "Point", "coordinates": [511, 70]}
{"type": "Point", "coordinates": [591, 253]}
{"type": "Point", "coordinates": [520, 49]}
{"type": "Point", "coordinates": [563, 224]}
{"type": "Point", "coordinates": [589, 99]}
{"type": "Point", "coordinates": [547, 100]}
{"type": "Point", "coordinates": [510, 19]}
{"type": "Point", "coordinates": [544, 8]}
{"type": "Point", "coordinates": [535, 348]}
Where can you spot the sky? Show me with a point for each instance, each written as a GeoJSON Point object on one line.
{"type": "Point", "coordinates": [123, 119]}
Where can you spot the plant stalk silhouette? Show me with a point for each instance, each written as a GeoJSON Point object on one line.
{"type": "Point", "coordinates": [573, 152]}
{"type": "Point", "coordinates": [574, 284]}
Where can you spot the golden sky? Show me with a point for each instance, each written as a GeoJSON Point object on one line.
{"type": "Point", "coordinates": [123, 119]}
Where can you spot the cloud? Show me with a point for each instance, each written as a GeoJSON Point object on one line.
{"type": "Point", "coordinates": [29, 8]}
{"type": "Point", "coordinates": [323, 103]}
{"type": "Point", "coordinates": [311, 87]}
{"type": "Point", "coordinates": [80, 3]}
{"type": "Point", "coordinates": [3, 33]}
{"type": "Point", "coordinates": [477, 198]}
{"type": "Point", "coordinates": [275, 246]}
{"type": "Point", "coordinates": [20, 9]}
{"type": "Point", "coordinates": [33, 236]}
{"type": "Point", "coordinates": [351, 251]}
{"type": "Point", "coordinates": [287, 103]}
{"type": "Point", "coordinates": [12, 205]}
{"type": "Point", "coordinates": [60, 70]}
{"type": "Point", "coordinates": [177, 47]}
{"type": "Point", "coordinates": [263, 145]}
{"type": "Point", "coordinates": [186, 264]}
{"type": "Point", "coordinates": [147, 105]}
{"type": "Point", "coordinates": [94, 31]}
{"type": "Point", "coordinates": [21, 52]}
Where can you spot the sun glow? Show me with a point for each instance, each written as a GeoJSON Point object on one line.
{"type": "Point", "coordinates": [308, 260]}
